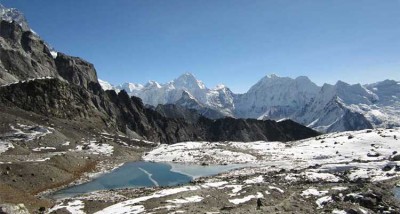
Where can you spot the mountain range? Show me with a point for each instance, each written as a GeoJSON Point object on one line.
{"type": "Point", "coordinates": [37, 81]}
{"type": "Point", "coordinates": [327, 108]}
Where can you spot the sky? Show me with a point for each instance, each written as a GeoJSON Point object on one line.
{"type": "Point", "coordinates": [233, 42]}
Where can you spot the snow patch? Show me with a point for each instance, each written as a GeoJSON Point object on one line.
{"type": "Point", "coordinates": [336, 211]}
{"type": "Point", "coordinates": [339, 188]}
{"type": "Point", "coordinates": [255, 180]}
{"type": "Point", "coordinates": [235, 189]}
{"type": "Point", "coordinates": [276, 188]}
{"type": "Point", "coordinates": [195, 152]}
{"type": "Point", "coordinates": [246, 198]}
{"type": "Point", "coordinates": [75, 207]}
{"type": "Point", "coordinates": [318, 176]}
{"type": "Point", "coordinates": [43, 148]}
{"type": "Point", "coordinates": [28, 80]}
{"type": "Point", "coordinates": [128, 205]}
{"type": "Point", "coordinates": [321, 202]}
{"type": "Point", "coordinates": [54, 54]}
{"type": "Point", "coordinates": [192, 199]}
{"type": "Point", "coordinates": [214, 184]}
{"type": "Point", "coordinates": [92, 147]}
{"type": "Point", "coordinates": [27, 133]}
{"type": "Point", "coordinates": [4, 146]}
{"type": "Point", "coordinates": [312, 192]}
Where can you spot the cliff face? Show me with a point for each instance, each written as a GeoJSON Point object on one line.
{"type": "Point", "coordinates": [75, 70]}
{"type": "Point", "coordinates": [67, 87]}
{"type": "Point", "coordinates": [23, 55]}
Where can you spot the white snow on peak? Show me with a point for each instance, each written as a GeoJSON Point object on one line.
{"type": "Point", "coordinates": [54, 54]}
{"type": "Point", "coordinates": [275, 97]}
{"type": "Point", "coordinates": [12, 14]}
{"type": "Point", "coordinates": [327, 109]}
{"type": "Point", "coordinates": [272, 76]}
{"type": "Point", "coordinates": [220, 87]}
{"type": "Point", "coordinates": [189, 81]}
{"type": "Point", "coordinates": [152, 84]}
{"type": "Point", "coordinates": [105, 85]}
{"type": "Point", "coordinates": [154, 93]}
{"type": "Point", "coordinates": [132, 88]}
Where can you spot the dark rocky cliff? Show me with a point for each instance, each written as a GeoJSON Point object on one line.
{"type": "Point", "coordinates": [23, 55]}
{"type": "Point", "coordinates": [76, 70]}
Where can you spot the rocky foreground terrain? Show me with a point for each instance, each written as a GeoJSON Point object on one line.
{"type": "Point", "coordinates": [351, 172]}
{"type": "Point", "coordinates": [35, 158]}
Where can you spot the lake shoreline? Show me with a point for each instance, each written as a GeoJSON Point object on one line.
{"type": "Point", "coordinates": [175, 169]}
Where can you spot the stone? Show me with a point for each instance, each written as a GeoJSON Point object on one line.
{"type": "Point", "coordinates": [395, 158]}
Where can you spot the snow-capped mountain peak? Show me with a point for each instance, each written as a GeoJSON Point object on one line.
{"type": "Point", "coordinates": [275, 97]}
{"type": "Point", "coordinates": [272, 76]}
{"type": "Point", "coordinates": [188, 81]}
{"type": "Point", "coordinates": [133, 86]}
{"type": "Point", "coordinates": [12, 14]}
{"type": "Point", "coordinates": [354, 94]}
{"type": "Point", "coordinates": [105, 85]}
{"type": "Point", "coordinates": [149, 84]}
{"type": "Point", "coordinates": [328, 108]}
{"type": "Point", "coordinates": [220, 87]}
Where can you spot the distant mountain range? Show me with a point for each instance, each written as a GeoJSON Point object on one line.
{"type": "Point", "coordinates": [329, 108]}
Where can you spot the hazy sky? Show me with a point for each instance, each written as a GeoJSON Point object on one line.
{"type": "Point", "coordinates": [235, 42]}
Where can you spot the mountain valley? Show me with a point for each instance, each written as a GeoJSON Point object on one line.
{"type": "Point", "coordinates": [290, 145]}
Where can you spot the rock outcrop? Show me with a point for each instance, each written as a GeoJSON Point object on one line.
{"type": "Point", "coordinates": [75, 70]}
{"type": "Point", "coordinates": [23, 55]}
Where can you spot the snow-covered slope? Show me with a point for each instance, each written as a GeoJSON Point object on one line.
{"type": "Point", "coordinates": [190, 102]}
{"type": "Point", "coordinates": [353, 107]}
{"type": "Point", "coordinates": [130, 88]}
{"type": "Point", "coordinates": [330, 108]}
{"type": "Point", "coordinates": [386, 111]}
{"type": "Point", "coordinates": [186, 91]}
{"type": "Point", "coordinates": [327, 150]}
{"type": "Point", "coordinates": [329, 111]}
{"type": "Point", "coordinates": [275, 97]}
{"type": "Point", "coordinates": [106, 85]}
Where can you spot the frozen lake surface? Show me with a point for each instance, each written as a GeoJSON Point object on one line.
{"type": "Point", "coordinates": [145, 174]}
{"type": "Point", "coordinates": [397, 192]}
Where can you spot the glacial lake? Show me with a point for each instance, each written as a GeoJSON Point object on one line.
{"type": "Point", "coordinates": [397, 192]}
{"type": "Point", "coordinates": [145, 174]}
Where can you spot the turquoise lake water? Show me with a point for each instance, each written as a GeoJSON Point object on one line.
{"type": "Point", "coordinates": [397, 192]}
{"type": "Point", "coordinates": [145, 174]}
